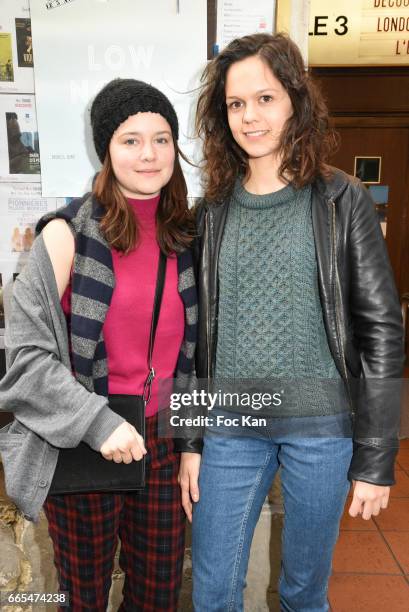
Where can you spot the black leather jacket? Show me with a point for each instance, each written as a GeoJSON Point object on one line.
{"type": "Point", "coordinates": [360, 309]}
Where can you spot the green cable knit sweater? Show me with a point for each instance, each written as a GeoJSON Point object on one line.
{"type": "Point", "coordinates": [270, 322]}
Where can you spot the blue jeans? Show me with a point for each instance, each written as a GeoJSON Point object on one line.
{"type": "Point", "coordinates": [235, 476]}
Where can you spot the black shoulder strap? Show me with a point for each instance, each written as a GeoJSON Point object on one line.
{"type": "Point", "coordinates": [160, 283]}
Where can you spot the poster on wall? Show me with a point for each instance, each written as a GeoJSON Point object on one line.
{"type": "Point", "coordinates": [162, 42]}
{"type": "Point", "coordinates": [16, 52]}
{"type": "Point", "coordinates": [20, 153]}
{"type": "Point", "coordinates": [24, 43]}
{"type": "Point", "coordinates": [21, 205]}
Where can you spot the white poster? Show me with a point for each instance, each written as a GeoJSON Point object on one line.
{"type": "Point", "coordinates": [81, 45]}
{"type": "Point", "coordinates": [16, 51]}
{"type": "Point", "coordinates": [21, 206]}
{"type": "Point", "coordinates": [19, 152]}
{"type": "Point", "coordinates": [236, 18]}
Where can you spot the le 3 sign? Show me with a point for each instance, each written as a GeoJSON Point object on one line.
{"type": "Point", "coordinates": [359, 32]}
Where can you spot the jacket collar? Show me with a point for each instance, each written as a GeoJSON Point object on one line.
{"type": "Point", "coordinates": [333, 186]}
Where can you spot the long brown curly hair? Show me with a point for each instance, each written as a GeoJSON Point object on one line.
{"type": "Point", "coordinates": [307, 139]}
{"type": "Point", "coordinates": [175, 228]}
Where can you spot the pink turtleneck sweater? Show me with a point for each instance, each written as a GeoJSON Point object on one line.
{"type": "Point", "coordinates": [127, 324]}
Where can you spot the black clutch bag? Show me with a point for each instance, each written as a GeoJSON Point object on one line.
{"type": "Point", "coordinates": [83, 470]}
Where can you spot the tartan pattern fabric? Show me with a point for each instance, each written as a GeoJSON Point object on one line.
{"type": "Point", "coordinates": [151, 525]}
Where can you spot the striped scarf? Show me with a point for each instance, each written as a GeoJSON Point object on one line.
{"type": "Point", "coordinates": [93, 283]}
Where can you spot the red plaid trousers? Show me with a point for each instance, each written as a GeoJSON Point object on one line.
{"type": "Point", "coordinates": [150, 523]}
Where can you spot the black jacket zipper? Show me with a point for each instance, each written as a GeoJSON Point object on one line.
{"type": "Point", "coordinates": [208, 326]}
{"type": "Point", "coordinates": [337, 288]}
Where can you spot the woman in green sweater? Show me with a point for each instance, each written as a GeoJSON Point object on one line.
{"type": "Point", "coordinates": [295, 288]}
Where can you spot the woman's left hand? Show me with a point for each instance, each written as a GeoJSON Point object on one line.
{"type": "Point", "coordinates": [188, 480]}
{"type": "Point", "coordinates": [368, 499]}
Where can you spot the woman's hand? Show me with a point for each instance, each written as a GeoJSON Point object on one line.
{"type": "Point", "coordinates": [188, 480]}
{"type": "Point", "coordinates": [368, 499]}
{"type": "Point", "coordinates": [124, 444]}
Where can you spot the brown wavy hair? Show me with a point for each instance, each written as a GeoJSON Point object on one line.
{"type": "Point", "coordinates": [307, 139]}
{"type": "Point", "coordinates": [174, 221]}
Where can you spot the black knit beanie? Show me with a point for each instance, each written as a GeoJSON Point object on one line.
{"type": "Point", "coordinates": [120, 99]}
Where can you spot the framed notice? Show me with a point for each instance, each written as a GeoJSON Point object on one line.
{"type": "Point", "coordinates": [368, 169]}
{"type": "Point", "coordinates": [236, 18]}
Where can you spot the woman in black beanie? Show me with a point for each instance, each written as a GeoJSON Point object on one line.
{"type": "Point", "coordinates": [105, 250]}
